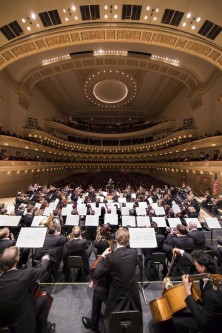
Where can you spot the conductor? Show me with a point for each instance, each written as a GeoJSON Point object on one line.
{"type": "Point", "coordinates": [110, 185]}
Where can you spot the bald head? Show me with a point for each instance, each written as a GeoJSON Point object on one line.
{"type": "Point", "coordinates": [9, 258]}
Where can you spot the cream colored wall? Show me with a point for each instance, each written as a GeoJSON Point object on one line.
{"type": "Point", "coordinates": [11, 183]}
{"type": "Point", "coordinates": [207, 117]}
{"type": "Point", "coordinates": [13, 117]}
{"type": "Point", "coordinates": [179, 108]}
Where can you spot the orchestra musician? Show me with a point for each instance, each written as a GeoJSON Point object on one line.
{"type": "Point", "coordinates": [123, 289]}
{"type": "Point", "coordinates": [202, 316]}
{"type": "Point", "coordinates": [205, 317]}
{"type": "Point", "coordinates": [18, 307]}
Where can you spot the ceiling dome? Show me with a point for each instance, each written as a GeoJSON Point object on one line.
{"type": "Point", "coordinates": [110, 91]}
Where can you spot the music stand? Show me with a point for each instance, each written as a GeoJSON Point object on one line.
{"type": "Point", "coordinates": [212, 223]}
{"type": "Point", "coordinates": [126, 322]}
{"type": "Point", "coordinates": [141, 238]}
{"type": "Point", "coordinates": [32, 238]}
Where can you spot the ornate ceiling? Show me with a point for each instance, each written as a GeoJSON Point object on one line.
{"type": "Point", "coordinates": [164, 56]}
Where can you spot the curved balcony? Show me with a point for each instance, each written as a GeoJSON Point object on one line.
{"type": "Point", "coordinates": [165, 126]}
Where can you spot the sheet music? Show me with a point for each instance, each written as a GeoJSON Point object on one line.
{"type": "Point", "coordinates": [52, 205]}
{"type": "Point", "coordinates": [38, 205]}
{"type": "Point", "coordinates": [111, 219]}
{"type": "Point", "coordinates": [124, 211]}
{"type": "Point", "coordinates": [9, 220]}
{"type": "Point", "coordinates": [92, 220]}
{"type": "Point", "coordinates": [154, 205]}
{"type": "Point", "coordinates": [122, 200]}
{"type": "Point", "coordinates": [212, 223]}
{"type": "Point", "coordinates": [159, 211]}
{"type": "Point", "coordinates": [161, 222]}
{"type": "Point", "coordinates": [133, 195]}
{"type": "Point", "coordinates": [81, 209]}
{"type": "Point", "coordinates": [48, 211]}
{"type": "Point", "coordinates": [143, 221]}
{"type": "Point", "coordinates": [128, 221]}
{"type": "Point", "coordinates": [173, 221]}
{"type": "Point", "coordinates": [141, 211]}
{"type": "Point", "coordinates": [72, 219]}
{"type": "Point", "coordinates": [150, 200]}
{"type": "Point", "coordinates": [142, 204]}
{"type": "Point", "coordinates": [31, 238]}
{"type": "Point", "coordinates": [97, 211]}
{"type": "Point", "coordinates": [80, 201]}
{"type": "Point", "coordinates": [66, 210]}
{"type": "Point", "coordinates": [37, 220]}
{"type": "Point", "coordinates": [10, 209]}
{"type": "Point", "coordinates": [142, 238]}
{"type": "Point", "coordinates": [193, 220]}
{"type": "Point", "coordinates": [130, 205]}
{"type": "Point", "coordinates": [176, 209]}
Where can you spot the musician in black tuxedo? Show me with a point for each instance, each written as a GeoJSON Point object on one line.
{"type": "Point", "coordinates": [120, 267]}
{"type": "Point", "coordinates": [5, 240]}
{"type": "Point", "coordinates": [77, 246]}
{"type": "Point", "coordinates": [178, 238]}
{"type": "Point", "coordinates": [18, 308]}
{"type": "Point", "coordinates": [197, 235]}
{"type": "Point", "coordinates": [53, 245]}
{"type": "Point", "coordinates": [207, 316]}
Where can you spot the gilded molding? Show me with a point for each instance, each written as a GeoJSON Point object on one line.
{"type": "Point", "coordinates": [198, 48]}
{"type": "Point", "coordinates": [58, 40]}
{"type": "Point", "coordinates": [164, 39]}
{"type": "Point", "coordinates": [8, 55]}
{"type": "Point", "coordinates": [22, 48]}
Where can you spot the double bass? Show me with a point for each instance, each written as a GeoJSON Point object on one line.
{"type": "Point", "coordinates": [173, 298]}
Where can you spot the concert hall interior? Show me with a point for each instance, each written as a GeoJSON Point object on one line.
{"type": "Point", "coordinates": [111, 101]}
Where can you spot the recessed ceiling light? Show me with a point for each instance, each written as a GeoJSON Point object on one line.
{"type": "Point", "coordinates": [33, 16]}
{"type": "Point", "coordinates": [66, 19]}
{"type": "Point", "coordinates": [157, 10]}
{"type": "Point", "coordinates": [76, 18]}
{"type": "Point", "coordinates": [38, 25]}
{"type": "Point", "coordinates": [106, 16]}
{"type": "Point", "coordinates": [64, 10]}
{"type": "Point", "coordinates": [193, 27]}
{"type": "Point", "coordinates": [198, 19]}
{"type": "Point", "coordinates": [188, 15]}
{"type": "Point", "coordinates": [148, 8]}
{"type": "Point", "coordinates": [115, 7]}
{"type": "Point", "coordinates": [28, 28]}
{"type": "Point", "coordinates": [106, 7]}
{"type": "Point", "coordinates": [184, 24]}
{"type": "Point", "coordinates": [23, 20]}
{"type": "Point", "coordinates": [155, 18]}
{"type": "Point", "coordinates": [115, 16]}
{"type": "Point", "coordinates": [145, 17]}
{"type": "Point", "coordinates": [73, 8]}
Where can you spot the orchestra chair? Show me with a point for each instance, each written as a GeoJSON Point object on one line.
{"type": "Point", "coordinates": [5, 329]}
{"type": "Point", "coordinates": [75, 263]}
{"type": "Point", "coordinates": [184, 265]}
{"type": "Point", "coordinates": [157, 259]}
{"type": "Point", "coordinates": [126, 322]}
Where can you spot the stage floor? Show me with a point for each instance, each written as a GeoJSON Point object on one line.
{"type": "Point", "coordinates": [73, 301]}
